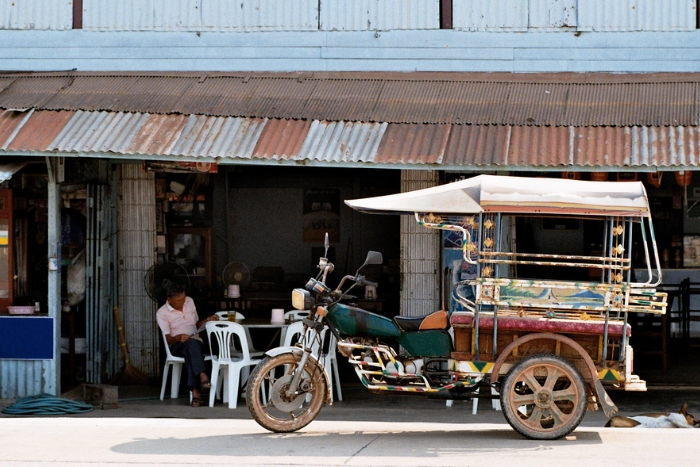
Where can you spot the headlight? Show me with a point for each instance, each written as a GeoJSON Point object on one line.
{"type": "Point", "coordinates": [301, 299]}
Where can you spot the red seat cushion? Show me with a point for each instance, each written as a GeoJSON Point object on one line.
{"type": "Point", "coordinates": [538, 324]}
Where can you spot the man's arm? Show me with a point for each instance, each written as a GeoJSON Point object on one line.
{"type": "Point", "coordinates": [176, 339]}
{"type": "Point", "coordinates": [202, 322]}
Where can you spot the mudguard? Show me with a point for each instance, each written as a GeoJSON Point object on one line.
{"type": "Point", "coordinates": [297, 352]}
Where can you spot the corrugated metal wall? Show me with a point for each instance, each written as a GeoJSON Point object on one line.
{"type": "Point", "coordinates": [490, 15]}
{"type": "Point", "coordinates": [351, 15]}
{"type": "Point", "coordinates": [582, 15]}
{"type": "Point", "coordinates": [420, 254]}
{"type": "Point", "coordinates": [260, 15]}
{"type": "Point", "coordinates": [552, 14]}
{"type": "Point", "coordinates": [102, 355]}
{"type": "Point", "coordinates": [636, 15]}
{"type": "Point", "coordinates": [364, 15]}
{"type": "Point", "coordinates": [200, 15]}
{"type": "Point", "coordinates": [36, 14]}
{"type": "Point", "coordinates": [19, 378]}
{"type": "Point", "coordinates": [136, 240]}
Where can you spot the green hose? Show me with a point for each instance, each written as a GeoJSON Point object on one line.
{"type": "Point", "coordinates": [46, 404]}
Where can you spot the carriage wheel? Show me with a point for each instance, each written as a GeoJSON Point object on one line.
{"type": "Point", "coordinates": [543, 397]}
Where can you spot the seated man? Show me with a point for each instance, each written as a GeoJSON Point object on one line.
{"type": "Point", "coordinates": [179, 322]}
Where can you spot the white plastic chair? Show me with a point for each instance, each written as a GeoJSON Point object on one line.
{"type": "Point", "coordinates": [295, 315]}
{"type": "Point", "coordinates": [229, 361]}
{"type": "Point", "coordinates": [327, 360]}
{"type": "Point", "coordinates": [292, 316]}
{"type": "Point", "coordinates": [330, 361]}
{"type": "Point", "coordinates": [176, 364]}
{"type": "Point", "coordinates": [223, 316]}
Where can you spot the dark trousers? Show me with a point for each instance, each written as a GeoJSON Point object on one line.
{"type": "Point", "coordinates": [191, 351]}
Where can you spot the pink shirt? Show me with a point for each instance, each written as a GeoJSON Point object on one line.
{"type": "Point", "coordinates": [175, 322]}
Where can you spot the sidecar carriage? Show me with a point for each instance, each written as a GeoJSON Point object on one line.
{"type": "Point", "coordinates": [546, 330]}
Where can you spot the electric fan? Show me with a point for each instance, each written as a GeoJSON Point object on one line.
{"type": "Point", "coordinates": [160, 276]}
{"type": "Point", "coordinates": [236, 273]}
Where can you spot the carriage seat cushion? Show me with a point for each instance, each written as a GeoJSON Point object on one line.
{"type": "Point", "coordinates": [538, 324]}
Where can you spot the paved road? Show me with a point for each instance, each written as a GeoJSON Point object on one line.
{"type": "Point", "coordinates": [130, 442]}
{"type": "Point", "coordinates": [363, 430]}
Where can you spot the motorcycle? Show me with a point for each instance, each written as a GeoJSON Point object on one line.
{"type": "Point", "coordinates": [289, 386]}
{"type": "Point", "coordinates": [546, 347]}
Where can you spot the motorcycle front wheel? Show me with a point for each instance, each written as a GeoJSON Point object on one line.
{"type": "Point", "coordinates": [267, 398]}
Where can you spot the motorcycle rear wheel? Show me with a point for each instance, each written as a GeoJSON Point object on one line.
{"type": "Point", "coordinates": [266, 399]}
{"type": "Point", "coordinates": [543, 397]}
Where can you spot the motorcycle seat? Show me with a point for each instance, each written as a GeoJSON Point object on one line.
{"type": "Point", "coordinates": [436, 320]}
{"type": "Point", "coordinates": [408, 323]}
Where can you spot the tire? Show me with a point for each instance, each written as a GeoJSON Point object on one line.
{"type": "Point", "coordinates": [543, 397]}
{"type": "Point", "coordinates": [267, 402]}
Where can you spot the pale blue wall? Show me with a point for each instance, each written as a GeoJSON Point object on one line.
{"type": "Point", "coordinates": [442, 50]}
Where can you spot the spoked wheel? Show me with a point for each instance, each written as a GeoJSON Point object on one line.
{"type": "Point", "coordinates": [543, 397]}
{"type": "Point", "coordinates": [270, 404]}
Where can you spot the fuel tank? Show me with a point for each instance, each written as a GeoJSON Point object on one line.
{"type": "Point", "coordinates": [353, 321]}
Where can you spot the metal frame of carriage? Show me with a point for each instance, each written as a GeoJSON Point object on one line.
{"type": "Point", "coordinates": [527, 337]}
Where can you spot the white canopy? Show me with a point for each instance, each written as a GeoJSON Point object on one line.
{"type": "Point", "coordinates": [527, 195]}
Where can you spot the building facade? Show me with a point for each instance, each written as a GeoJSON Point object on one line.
{"type": "Point", "coordinates": [103, 105]}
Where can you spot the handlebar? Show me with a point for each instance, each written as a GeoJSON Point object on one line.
{"type": "Point", "coordinates": [359, 280]}
{"type": "Point", "coordinates": [342, 281]}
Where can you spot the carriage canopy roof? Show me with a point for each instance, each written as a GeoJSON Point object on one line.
{"type": "Point", "coordinates": [517, 195]}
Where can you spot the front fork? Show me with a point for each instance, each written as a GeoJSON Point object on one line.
{"type": "Point", "coordinates": [312, 327]}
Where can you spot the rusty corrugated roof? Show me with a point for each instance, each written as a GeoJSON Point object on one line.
{"type": "Point", "coordinates": [555, 99]}
{"type": "Point", "coordinates": [142, 94]}
{"type": "Point", "coordinates": [522, 122]}
{"type": "Point", "coordinates": [231, 139]}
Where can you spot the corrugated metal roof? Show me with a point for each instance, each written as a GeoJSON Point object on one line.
{"type": "Point", "coordinates": [141, 94]}
{"type": "Point", "coordinates": [39, 130]}
{"type": "Point", "coordinates": [542, 121]}
{"type": "Point", "coordinates": [342, 141]}
{"type": "Point", "coordinates": [158, 134]}
{"type": "Point", "coordinates": [414, 144]}
{"type": "Point", "coordinates": [565, 99]}
{"type": "Point", "coordinates": [219, 137]}
{"type": "Point", "coordinates": [98, 132]}
{"type": "Point", "coordinates": [32, 92]}
{"type": "Point", "coordinates": [480, 144]}
{"type": "Point", "coordinates": [9, 122]}
{"type": "Point", "coordinates": [231, 139]}
{"type": "Point", "coordinates": [281, 139]}
{"type": "Point", "coordinates": [333, 100]}
{"type": "Point", "coordinates": [5, 81]}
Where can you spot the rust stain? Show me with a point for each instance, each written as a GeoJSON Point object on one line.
{"type": "Point", "coordinates": [40, 130]}
{"type": "Point", "coordinates": [281, 139]}
{"type": "Point", "coordinates": [158, 135]}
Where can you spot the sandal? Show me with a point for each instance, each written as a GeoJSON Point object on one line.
{"type": "Point", "coordinates": [196, 402]}
{"type": "Point", "coordinates": [205, 386]}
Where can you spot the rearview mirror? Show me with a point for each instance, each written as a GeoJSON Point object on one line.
{"type": "Point", "coordinates": [374, 257]}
